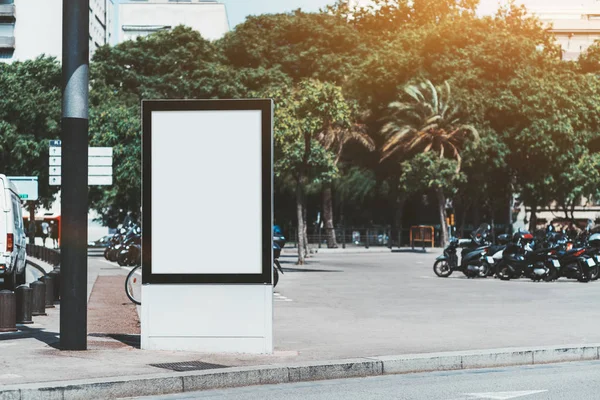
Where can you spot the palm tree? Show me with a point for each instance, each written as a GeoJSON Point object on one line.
{"type": "Point", "coordinates": [335, 139]}
{"type": "Point", "coordinates": [429, 121]}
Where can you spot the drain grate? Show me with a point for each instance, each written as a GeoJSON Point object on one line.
{"type": "Point", "coordinates": [189, 366]}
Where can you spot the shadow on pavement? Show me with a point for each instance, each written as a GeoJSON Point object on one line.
{"type": "Point", "coordinates": [129, 340]}
{"type": "Point", "coordinates": [288, 269]}
{"type": "Point", "coordinates": [25, 332]}
{"type": "Point", "coordinates": [420, 251]}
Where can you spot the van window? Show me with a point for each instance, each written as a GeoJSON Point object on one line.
{"type": "Point", "coordinates": [16, 204]}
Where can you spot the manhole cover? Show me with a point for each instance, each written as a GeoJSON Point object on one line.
{"type": "Point", "coordinates": [189, 366]}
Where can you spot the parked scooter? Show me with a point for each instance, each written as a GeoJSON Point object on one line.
{"type": "Point", "coordinates": [521, 258]}
{"type": "Point", "coordinates": [130, 253]}
{"type": "Point", "coordinates": [472, 255]}
{"type": "Point", "coordinates": [571, 263]}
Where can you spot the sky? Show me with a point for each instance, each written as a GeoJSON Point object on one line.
{"type": "Point", "coordinates": [237, 10]}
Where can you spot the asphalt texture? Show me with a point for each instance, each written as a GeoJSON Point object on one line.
{"type": "Point", "coordinates": [338, 306]}
{"type": "Point", "coordinates": [547, 382]}
{"type": "Point", "coordinates": [375, 304]}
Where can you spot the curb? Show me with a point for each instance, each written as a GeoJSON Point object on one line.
{"type": "Point", "coordinates": [171, 383]}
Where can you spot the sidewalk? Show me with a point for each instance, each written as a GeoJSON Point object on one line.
{"type": "Point", "coordinates": [114, 366]}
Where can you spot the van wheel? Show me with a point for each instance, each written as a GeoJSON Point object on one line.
{"type": "Point", "coordinates": [10, 282]}
{"type": "Point", "coordinates": [20, 278]}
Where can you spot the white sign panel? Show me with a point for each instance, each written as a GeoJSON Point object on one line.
{"type": "Point", "coordinates": [27, 186]}
{"type": "Point", "coordinates": [92, 180]}
{"type": "Point", "coordinates": [187, 153]}
{"type": "Point", "coordinates": [92, 171]}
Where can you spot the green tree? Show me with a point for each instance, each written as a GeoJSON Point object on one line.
{"type": "Point", "coordinates": [301, 45]}
{"type": "Point", "coordinates": [335, 138]}
{"type": "Point", "coordinates": [302, 115]}
{"type": "Point", "coordinates": [426, 172]}
{"type": "Point", "coordinates": [30, 105]}
{"type": "Point", "coordinates": [589, 60]}
{"type": "Point", "coordinates": [169, 64]}
{"type": "Point", "coordinates": [430, 122]}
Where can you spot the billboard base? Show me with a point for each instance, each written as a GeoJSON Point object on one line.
{"type": "Point", "coordinates": [208, 318]}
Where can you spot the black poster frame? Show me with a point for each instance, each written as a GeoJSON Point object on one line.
{"type": "Point", "coordinates": [266, 108]}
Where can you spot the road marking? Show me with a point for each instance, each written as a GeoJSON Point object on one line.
{"type": "Point", "coordinates": [278, 297]}
{"type": "Point", "coordinates": [505, 395]}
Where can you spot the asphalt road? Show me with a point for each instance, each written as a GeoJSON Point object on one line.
{"type": "Point", "coordinates": [351, 305]}
{"type": "Point", "coordinates": [553, 382]}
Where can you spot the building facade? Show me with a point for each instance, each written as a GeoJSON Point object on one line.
{"type": "Point", "coordinates": [143, 17]}
{"type": "Point", "coordinates": [575, 24]}
{"type": "Point", "coordinates": [30, 28]}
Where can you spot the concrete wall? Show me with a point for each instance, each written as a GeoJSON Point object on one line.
{"type": "Point", "coordinates": [38, 27]}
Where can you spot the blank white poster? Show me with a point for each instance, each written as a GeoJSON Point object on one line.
{"type": "Point", "coordinates": [206, 192]}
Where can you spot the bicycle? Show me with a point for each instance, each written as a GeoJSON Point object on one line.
{"type": "Point", "coordinates": [131, 283]}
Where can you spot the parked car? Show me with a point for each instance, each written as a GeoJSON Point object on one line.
{"type": "Point", "coordinates": [13, 242]}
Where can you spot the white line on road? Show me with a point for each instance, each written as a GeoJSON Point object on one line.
{"type": "Point", "coordinates": [505, 395]}
{"type": "Point", "coordinates": [278, 297]}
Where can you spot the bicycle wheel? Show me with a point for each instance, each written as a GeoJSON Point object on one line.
{"type": "Point", "coordinates": [133, 285]}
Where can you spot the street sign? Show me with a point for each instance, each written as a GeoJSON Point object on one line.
{"type": "Point", "coordinates": [92, 180]}
{"type": "Point", "coordinates": [99, 164]}
{"type": "Point", "coordinates": [92, 171]}
{"type": "Point", "coordinates": [27, 186]}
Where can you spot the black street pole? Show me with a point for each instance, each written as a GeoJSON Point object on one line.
{"type": "Point", "coordinates": [74, 191]}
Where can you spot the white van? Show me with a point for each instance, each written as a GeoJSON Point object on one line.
{"type": "Point", "coordinates": [13, 242]}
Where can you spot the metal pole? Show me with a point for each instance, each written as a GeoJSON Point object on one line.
{"type": "Point", "coordinates": [74, 205]}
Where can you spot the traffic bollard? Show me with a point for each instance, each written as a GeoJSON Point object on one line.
{"type": "Point", "coordinates": [24, 296]}
{"type": "Point", "coordinates": [55, 274]}
{"type": "Point", "coordinates": [38, 303]}
{"type": "Point", "coordinates": [8, 309]}
{"type": "Point", "coordinates": [49, 295]}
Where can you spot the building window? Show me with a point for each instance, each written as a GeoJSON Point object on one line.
{"type": "Point", "coordinates": [6, 53]}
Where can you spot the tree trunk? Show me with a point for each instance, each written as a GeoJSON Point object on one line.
{"type": "Point", "coordinates": [533, 220]}
{"type": "Point", "coordinates": [442, 209]}
{"type": "Point", "coordinates": [400, 216]}
{"type": "Point", "coordinates": [328, 217]}
{"type": "Point", "coordinates": [301, 225]}
{"type": "Point", "coordinates": [509, 225]}
{"type": "Point", "coordinates": [305, 231]}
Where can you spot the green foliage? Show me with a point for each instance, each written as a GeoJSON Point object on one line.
{"type": "Point", "coordinates": [536, 114]}
{"type": "Point", "coordinates": [302, 45]}
{"type": "Point", "coordinates": [589, 61]}
{"type": "Point", "coordinates": [30, 104]}
{"type": "Point", "coordinates": [426, 172]}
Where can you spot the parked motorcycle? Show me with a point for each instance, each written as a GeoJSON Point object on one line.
{"type": "Point", "coordinates": [472, 255]}
{"type": "Point", "coordinates": [130, 253]}
{"type": "Point", "coordinates": [571, 263]}
{"type": "Point", "coordinates": [521, 258]}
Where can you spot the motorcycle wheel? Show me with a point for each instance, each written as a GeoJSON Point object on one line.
{"type": "Point", "coordinates": [583, 277]}
{"type": "Point", "coordinates": [503, 271]}
{"type": "Point", "coordinates": [552, 274]}
{"type": "Point", "coordinates": [122, 259]}
{"type": "Point", "coordinates": [442, 268]}
{"type": "Point", "coordinates": [595, 273]}
{"type": "Point", "coordinates": [106, 252]}
{"type": "Point", "coordinates": [113, 254]}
